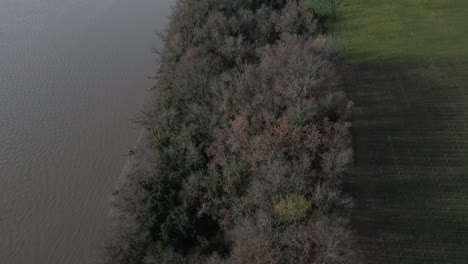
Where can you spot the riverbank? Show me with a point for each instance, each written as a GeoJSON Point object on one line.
{"type": "Point", "coordinates": [138, 159]}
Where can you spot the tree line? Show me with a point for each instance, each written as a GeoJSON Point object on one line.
{"type": "Point", "coordinates": [250, 137]}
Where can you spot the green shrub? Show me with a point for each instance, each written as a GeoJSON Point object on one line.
{"type": "Point", "coordinates": [292, 207]}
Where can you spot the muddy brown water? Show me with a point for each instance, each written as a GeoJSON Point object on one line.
{"type": "Point", "coordinates": [72, 78]}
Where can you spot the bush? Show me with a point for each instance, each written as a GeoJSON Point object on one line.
{"type": "Point", "coordinates": [292, 207]}
{"type": "Point", "coordinates": [251, 138]}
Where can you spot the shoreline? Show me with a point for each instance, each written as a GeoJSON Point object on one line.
{"type": "Point", "coordinates": [141, 156]}
{"type": "Point", "coordinates": [140, 159]}
{"type": "Point", "coordinates": [131, 160]}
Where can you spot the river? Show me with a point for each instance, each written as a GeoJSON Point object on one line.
{"type": "Point", "coordinates": [72, 78]}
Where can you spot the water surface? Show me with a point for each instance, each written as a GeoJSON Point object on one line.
{"type": "Point", "coordinates": [72, 77]}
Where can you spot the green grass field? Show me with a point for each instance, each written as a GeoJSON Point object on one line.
{"type": "Point", "coordinates": [380, 29]}
{"type": "Point", "coordinates": [406, 69]}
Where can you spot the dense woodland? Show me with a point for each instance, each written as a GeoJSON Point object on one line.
{"type": "Point", "coordinates": [250, 135]}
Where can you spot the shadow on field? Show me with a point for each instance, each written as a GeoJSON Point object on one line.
{"type": "Point", "coordinates": [410, 180]}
